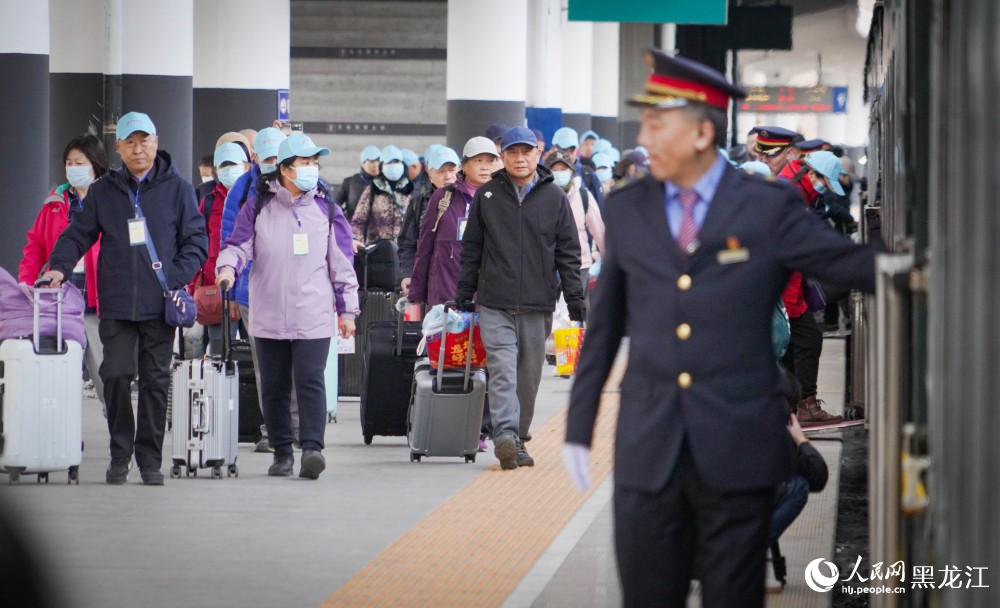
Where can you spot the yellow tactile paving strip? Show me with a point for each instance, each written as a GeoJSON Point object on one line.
{"type": "Point", "coordinates": [476, 547]}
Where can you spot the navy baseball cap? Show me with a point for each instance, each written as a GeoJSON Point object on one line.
{"type": "Point", "coordinates": [518, 135]}
{"type": "Point", "coordinates": [496, 131]}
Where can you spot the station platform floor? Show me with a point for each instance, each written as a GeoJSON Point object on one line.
{"type": "Point", "coordinates": [374, 530]}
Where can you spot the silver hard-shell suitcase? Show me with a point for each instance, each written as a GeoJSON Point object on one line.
{"type": "Point", "coordinates": [41, 402]}
{"type": "Point", "coordinates": [206, 411]}
{"type": "Point", "coordinates": [446, 409]}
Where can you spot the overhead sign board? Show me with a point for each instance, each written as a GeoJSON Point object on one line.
{"type": "Point", "coordinates": [687, 12]}
{"type": "Point", "coordinates": [821, 99]}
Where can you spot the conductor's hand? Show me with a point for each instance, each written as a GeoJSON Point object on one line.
{"type": "Point", "coordinates": [55, 278]}
{"type": "Point", "coordinates": [577, 310]}
{"type": "Point", "coordinates": [346, 328]}
{"type": "Point", "coordinates": [225, 279]}
{"type": "Point", "coordinates": [576, 457]}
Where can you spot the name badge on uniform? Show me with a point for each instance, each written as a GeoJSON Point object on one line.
{"type": "Point", "coordinates": [300, 243]}
{"type": "Point", "coordinates": [733, 253]}
{"type": "Point", "coordinates": [137, 231]}
{"type": "Point", "coordinates": [461, 228]}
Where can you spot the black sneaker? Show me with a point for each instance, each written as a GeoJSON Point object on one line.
{"type": "Point", "coordinates": [117, 473]}
{"type": "Point", "coordinates": [523, 458]}
{"type": "Point", "coordinates": [151, 476]}
{"type": "Point", "coordinates": [312, 464]}
{"type": "Point", "coordinates": [262, 446]}
{"type": "Point", "coordinates": [282, 466]}
{"type": "Point", "coordinates": [505, 449]}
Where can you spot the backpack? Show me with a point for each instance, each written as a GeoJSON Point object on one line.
{"type": "Point", "coordinates": [585, 198]}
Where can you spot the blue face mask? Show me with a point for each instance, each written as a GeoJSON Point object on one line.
{"type": "Point", "coordinates": [820, 188]}
{"type": "Point", "coordinates": [306, 177]}
{"type": "Point", "coordinates": [562, 178]}
{"type": "Point", "coordinates": [393, 171]}
{"type": "Point", "coordinates": [229, 175]}
{"type": "Point", "coordinates": [603, 175]}
{"type": "Point", "coordinates": [79, 176]}
{"type": "Point", "coordinates": [267, 167]}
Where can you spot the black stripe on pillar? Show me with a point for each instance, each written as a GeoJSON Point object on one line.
{"type": "Point", "coordinates": [607, 127]}
{"type": "Point", "coordinates": [579, 122]}
{"type": "Point", "coordinates": [24, 162]}
{"type": "Point", "coordinates": [76, 108]}
{"type": "Point", "coordinates": [217, 111]}
{"type": "Point", "coordinates": [629, 133]}
{"type": "Point", "coordinates": [468, 118]}
{"type": "Point", "coordinates": [168, 102]}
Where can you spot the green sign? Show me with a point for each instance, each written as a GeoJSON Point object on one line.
{"type": "Point", "coordinates": [687, 12]}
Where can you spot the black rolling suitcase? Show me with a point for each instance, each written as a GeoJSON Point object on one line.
{"type": "Point", "coordinates": [390, 354]}
{"type": "Point", "coordinates": [250, 419]}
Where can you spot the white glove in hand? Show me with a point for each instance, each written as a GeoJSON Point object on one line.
{"type": "Point", "coordinates": [576, 457]}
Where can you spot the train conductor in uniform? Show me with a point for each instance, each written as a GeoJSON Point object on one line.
{"type": "Point", "coordinates": [697, 254]}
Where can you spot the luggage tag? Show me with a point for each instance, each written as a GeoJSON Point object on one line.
{"type": "Point", "coordinates": [137, 231]}
{"type": "Point", "coordinates": [300, 243]}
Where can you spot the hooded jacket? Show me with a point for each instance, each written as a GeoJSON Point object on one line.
{"type": "Point", "coordinates": [349, 192]}
{"type": "Point", "coordinates": [380, 210]}
{"type": "Point", "coordinates": [293, 296]}
{"type": "Point", "coordinates": [129, 289]}
{"type": "Point", "coordinates": [438, 261]}
{"type": "Point", "coordinates": [213, 229]}
{"type": "Point", "coordinates": [793, 297]}
{"type": "Point", "coordinates": [42, 237]}
{"type": "Point", "coordinates": [514, 253]}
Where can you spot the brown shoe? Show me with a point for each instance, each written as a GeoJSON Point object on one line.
{"type": "Point", "coordinates": [810, 413]}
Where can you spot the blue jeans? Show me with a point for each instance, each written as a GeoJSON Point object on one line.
{"type": "Point", "coordinates": [790, 504]}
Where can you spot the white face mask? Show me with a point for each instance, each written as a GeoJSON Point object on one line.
{"type": "Point", "coordinates": [229, 175]}
{"type": "Point", "coordinates": [79, 176]}
{"type": "Point", "coordinates": [562, 177]}
{"type": "Point", "coordinates": [206, 178]}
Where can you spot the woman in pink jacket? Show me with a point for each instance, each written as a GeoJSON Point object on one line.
{"type": "Point", "coordinates": [299, 274]}
{"type": "Point", "coordinates": [587, 214]}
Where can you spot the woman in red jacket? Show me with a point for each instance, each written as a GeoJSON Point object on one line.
{"type": "Point", "coordinates": [85, 162]}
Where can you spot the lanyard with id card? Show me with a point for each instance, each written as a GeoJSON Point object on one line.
{"type": "Point", "coordinates": [300, 240]}
{"type": "Point", "coordinates": [137, 225]}
{"type": "Point", "coordinates": [463, 222]}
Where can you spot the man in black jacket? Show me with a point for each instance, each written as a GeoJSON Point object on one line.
{"type": "Point", "coordinates": [131, 299]}
{"type": "Point", "coordinates": [519, 243]}
{"type": "Point", "coordinates": [349, 192]}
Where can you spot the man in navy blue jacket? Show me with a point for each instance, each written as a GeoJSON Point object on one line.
{"type": "Point", "coordinates": [696, 255]}
{"type": "Point", "coordinates": [131, 303]}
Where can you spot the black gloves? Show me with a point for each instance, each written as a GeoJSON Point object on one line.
{"type": "Point", "coordinates": [464, 303]}
{"type": "Point", "coordinates": [577, 310]}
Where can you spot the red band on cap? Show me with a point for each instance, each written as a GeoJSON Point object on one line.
{"type": "Point", "coordinates": [688, 89]}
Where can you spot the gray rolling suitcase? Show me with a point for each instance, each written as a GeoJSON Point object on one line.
{"type": "Point", "coordinates": [206, 411]}
{"type": "Point", "coordinates": [446, 409]}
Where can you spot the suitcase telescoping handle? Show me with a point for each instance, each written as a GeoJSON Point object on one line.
{"type": "Point", "coordinates": [444, 340]}
{"type": "Point", "coordinates": [227, 339]}
{"type": "Point", "coordinates": [36, 294]}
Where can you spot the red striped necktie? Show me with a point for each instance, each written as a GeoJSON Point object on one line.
{"type": "Point", "coordinates": [689, 229]}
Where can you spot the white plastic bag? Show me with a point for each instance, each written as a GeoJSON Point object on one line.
{"type": "Point", "coordinates": [434, 323]}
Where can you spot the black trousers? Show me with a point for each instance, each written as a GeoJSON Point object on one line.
{"type": "Point", "coordinates": [279, 362]}
{"type": "Point", "coordinates": [155, 345]}
{"type": "Point", "coordinates": [689, 530]}
{"type": "Point", "coordinates": [804, 350]}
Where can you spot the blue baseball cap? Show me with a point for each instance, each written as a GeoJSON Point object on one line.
{"type": "Point", "coordinates": [370, 153]}
{"type": "Point", "coordinates": [299, 144]}
{"type": "Point", "coordinates": [230, 152]}
{"type": "Point", "coordinates": [518, 135]}
{"type": "Point", "coordinates": [589, 135]}
{"type": "Point", "coordinates": [429, 151]}
{"type": "Point", "coordinates": [496, 131]}
{"type": "Point", "coordinates": [603, 145]}
{"type": "Point", "coordinates": [132, 122]}
{"type": "Point", "coordinates": [391, 153]}
{"type": "Point", "coordinates": [602, 160]}
{"type": "Point", "coordinates": [267, 142]}
{"type": "Point", "coordinates": [614, 153]}
{"type": "Point", "coordinates": [565, 138]}
{"type": "Point", "coordinates": [442, 156]}
{"type": "Point", "coordinates": [410, 157]}
{"type": "Point", "coordinates": [829, 166]}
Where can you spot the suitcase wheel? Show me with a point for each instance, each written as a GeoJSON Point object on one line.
{"type": "Point", "coordinates": [74, 475]}
{"type": "Point", "coordinates": [331, 418]}
{"type": "Point", "coordinates": [234, 471]}
{"type": "Point", "coordinates": [43, 477]}
{"type": "Point", "coordinates": [368, 439]}
{"type": "Point", "coordinates": [470, 458]}
{"type": "Point", "coordinates": [216, 472]}
{"type": "Point", "coordinates": [14, 478]}
{"type": "Point", "coordinates": [414, 457]}
{"type": "Point", "coordinates": [175, 471]}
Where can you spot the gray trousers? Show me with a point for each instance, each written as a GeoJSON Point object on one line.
{"type": "Point", "coordinates": [515, 354]}
{"type": "Point", "coordinates": [94, 355]}
{"type": "Point", "coordinates": [245, 315]}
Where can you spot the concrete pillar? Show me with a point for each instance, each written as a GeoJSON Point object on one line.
{"type": "Point", "coordinates": [486, 71]}
{"type": "Point", "coordinates": [157, 65]}
{"type": "Point", "coordinates": [24, 97]}
{"type": "Point", "coordinates": [241, 59]}
{"type": "Point", "coordinates": [604, 112]}
{"type": "Point", "coordinates": [76, 75]}
{"type": "Point", "coordinates": [633, 41]}
{"type": "Point", "coordinates": [577, 71]}
{"type": "Point", "coordinates": [544, 71]}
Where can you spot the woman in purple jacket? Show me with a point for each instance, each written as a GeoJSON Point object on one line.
{"type": "Point", "coordinates": [299, 276]}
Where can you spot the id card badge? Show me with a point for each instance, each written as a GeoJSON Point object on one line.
{"type": "Point", "coordinates": [461, 228]}
{"type": "Point", "coordinates": [137, 231]}
{"type": "Point", "coordinates": [300, 243]}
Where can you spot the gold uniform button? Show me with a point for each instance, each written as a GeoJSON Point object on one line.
{"type": "Point", "coordinates": [684, 282]}
{"type": "Point", "coordinates": [683, 331]}
{"type": "Point", "coordinates": [684, 380]}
